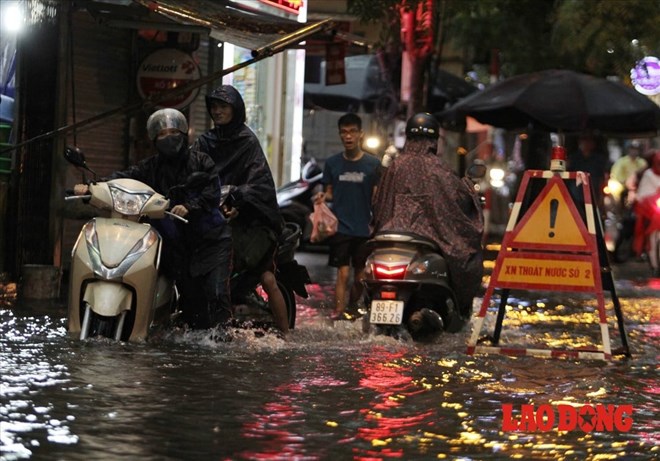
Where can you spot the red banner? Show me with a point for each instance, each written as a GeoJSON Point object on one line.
{"type": "Point", "coordinates": [335, 67]}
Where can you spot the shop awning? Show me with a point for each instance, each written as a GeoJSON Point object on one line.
{"type": "Point", "coordinates": [224, 20]}
{"type": "Point", "coordinates": [132, 15]}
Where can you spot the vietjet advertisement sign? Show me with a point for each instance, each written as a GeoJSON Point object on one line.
{"type": "Point", "coordinates": [167, 69]}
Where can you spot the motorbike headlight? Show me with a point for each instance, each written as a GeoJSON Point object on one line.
{"type": "Point", "coordinates": [613, 187]}
{"type": "Point", "coordinates": [418, 267]}
{"type": "Point", "coordinates": [128, 203]}
{"type": "Point", "coordinates": [496, 177]}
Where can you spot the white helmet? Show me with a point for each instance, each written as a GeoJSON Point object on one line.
{"type": "Point", "coordinates": [166, 118]}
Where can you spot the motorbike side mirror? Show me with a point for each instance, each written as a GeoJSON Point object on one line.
{"type": "Point", "coordinates": [75, 156]}
{"type": "Point", "coordinates": [477, 170]}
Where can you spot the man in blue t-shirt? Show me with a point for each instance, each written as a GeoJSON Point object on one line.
{"type": "Point", "coordinates": [349, 180]}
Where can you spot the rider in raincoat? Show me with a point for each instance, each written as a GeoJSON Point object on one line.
{"type": "Point", "coordinates": [419, 193]}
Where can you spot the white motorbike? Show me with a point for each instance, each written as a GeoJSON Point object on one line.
{"type": "Point", "coordinates": [115, 287]}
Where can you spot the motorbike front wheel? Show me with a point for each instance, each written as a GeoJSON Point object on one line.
{"type": "Point", "coordinates": [95, 325]}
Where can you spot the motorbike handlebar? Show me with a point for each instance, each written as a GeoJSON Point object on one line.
{"type": "Point", "coordinates": [77, 197]}
{"type": "Point", "coordinates": [169, 213]}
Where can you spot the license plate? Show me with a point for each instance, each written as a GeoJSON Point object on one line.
{"type": "Point", "coordinates": [386, 312]}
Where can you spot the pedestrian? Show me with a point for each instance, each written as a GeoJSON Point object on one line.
{"type": "Point", "coordinates": [420, 193]}
{"type": "Point", "coordinates": [198, 254]}
{"type": "Point", "coordinates": [255, 218]}
{"type": "Point", "coordinates": [592, 159]}
{"type": "Point", "coordinates": [349, 180]}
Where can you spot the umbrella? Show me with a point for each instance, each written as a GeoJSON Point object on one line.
{"type": "Point", "coordinates": [558, 100]}
{"type": "Point", "coordinates": [365, 89]}
{"type": "Point", "coordinates": [446, 89]}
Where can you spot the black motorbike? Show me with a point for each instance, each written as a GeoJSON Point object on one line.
{"type": "Point", "coordinates": [248, 297]}
{"type": "Point", "coordinates": [295, 199]}
{"type": "Point", "coordinates": [408, 292]}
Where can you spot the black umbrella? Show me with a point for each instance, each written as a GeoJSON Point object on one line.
{"type": "Point", "coordinates": [558, 100]}
{"type": "Point", "coordinates": [446, 89]}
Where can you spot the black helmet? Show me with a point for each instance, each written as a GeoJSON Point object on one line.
{"type": "Point", "coordinates": [423, 124]}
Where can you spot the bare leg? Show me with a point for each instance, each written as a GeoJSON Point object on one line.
{"type": "Point", "coordinates": [343, 274]}
{"type": "Point", "coordinates": [275, 301]}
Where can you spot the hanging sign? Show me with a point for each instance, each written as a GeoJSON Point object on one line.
{"type": "Point", "coordinates": [645, 75]}
{"type": "Point", "coordinates": [335, 67]}
{"type": "Point", "coordinates": [166, 69]}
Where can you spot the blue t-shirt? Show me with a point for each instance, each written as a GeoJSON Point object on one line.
{"type": "Point", "coordinates": [352, 185]}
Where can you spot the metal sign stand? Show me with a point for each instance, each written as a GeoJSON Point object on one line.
{"type": "Point", "coordinates": [552, 243]}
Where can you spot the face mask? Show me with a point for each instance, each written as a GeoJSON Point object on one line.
{"type": "Point", "coordinates": [170, 146]}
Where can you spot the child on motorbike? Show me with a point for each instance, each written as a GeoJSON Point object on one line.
{"type": "Point", "coordinates": [198, 254]}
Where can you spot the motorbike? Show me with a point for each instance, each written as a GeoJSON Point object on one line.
{"type": "Point", "coordinates": [295, 199]}
{"type": "Point", "coordinates": [618, 221]}
{"type": "Point", "coordinates": [408, 293]}
{"type": "Point", "coordinates": [249, 298]}
{"type": "Point", "coordinates": [648, 229]}
{"type": "Point", "coordinates": [115, 287]}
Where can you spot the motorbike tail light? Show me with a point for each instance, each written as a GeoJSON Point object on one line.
{"type": "Point", "coordinates": [382, 271]}
{"type": "Point", "coordinates": [388, 295]}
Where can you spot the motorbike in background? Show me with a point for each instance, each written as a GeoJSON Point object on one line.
{"type": "Point", "coordinates": [648, 230]}
{"type": "Point", "coordinates": [408, 292]}
{"type": "Point", "coordinates": [295, 199]}
{"type": "Point", "coordinates": [618, 221]}
{"type": "Point", "coordinates": [115, 287]}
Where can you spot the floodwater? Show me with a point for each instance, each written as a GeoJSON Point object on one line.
{"type": "Point", "coordinates": [328, 394]}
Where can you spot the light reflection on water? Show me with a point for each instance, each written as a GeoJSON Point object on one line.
{"type": "Point", "coordinates": [330, 393]}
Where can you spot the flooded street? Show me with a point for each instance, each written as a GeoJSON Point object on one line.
{"type": "Point", "coordinates": [329, 394]}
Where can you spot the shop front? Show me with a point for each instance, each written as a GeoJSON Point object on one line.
{"type": "Point", "coordinates": [79, 82]}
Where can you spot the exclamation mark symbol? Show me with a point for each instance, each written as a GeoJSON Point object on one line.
{"type": "Point", "coordinates": [554, 204]}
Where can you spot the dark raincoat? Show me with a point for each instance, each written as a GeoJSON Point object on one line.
{"type": "Point", "coordinates": [419, 193]}
{"type": "Point", "coordinates": [195, 241]}
{"type": "Point", "coordinates": [240, 161]}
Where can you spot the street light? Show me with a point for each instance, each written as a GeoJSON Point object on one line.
{"type": "Point", "coordinates": [13, 17]}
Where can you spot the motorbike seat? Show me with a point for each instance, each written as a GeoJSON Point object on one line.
{"type": "Point", "coordinates": [403, 237]}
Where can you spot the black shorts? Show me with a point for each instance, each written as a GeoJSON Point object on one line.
{"type": "Point", "coordinates": [347, 250]}
{"type": "Point", "coordinates": [255, 248]}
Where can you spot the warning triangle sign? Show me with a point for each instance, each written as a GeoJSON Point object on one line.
{"type": "Point", "coordinates": [552, 222]}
